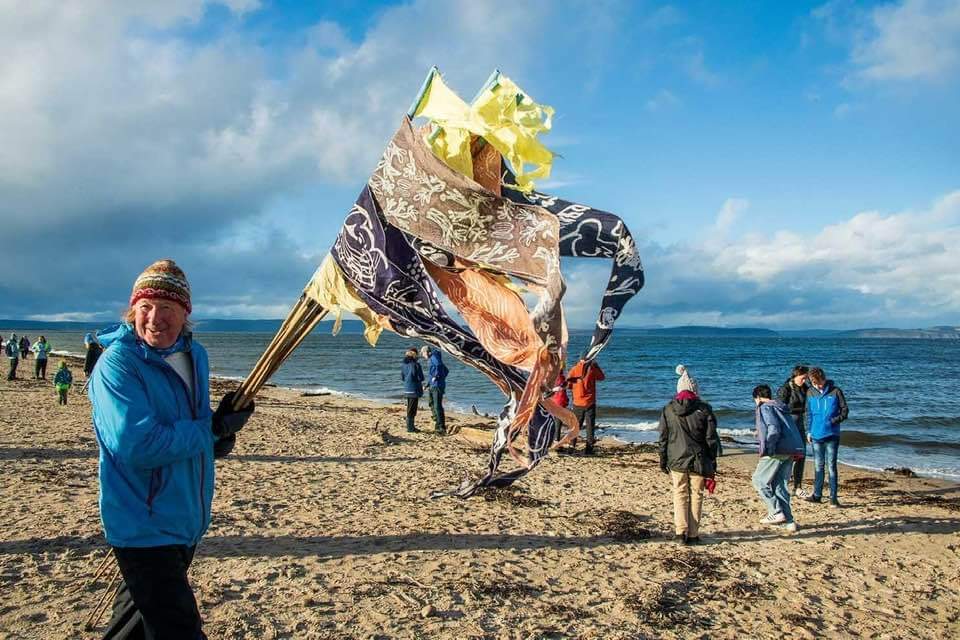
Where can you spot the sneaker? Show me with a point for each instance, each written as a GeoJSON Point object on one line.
{"type": "Point", "coordinates": [789, 527]}
{"type": "Point", "coordinates": [815, 499]}
{"type": "Point", "coordinates": [777, 518]}
{"type": "Point", "coordinates": [835, 503]}
{"type": "Point", "coordinates": [800, 492]}
{"type": "Point", "coordinates": [692, 541]}
{"type": "Point", "coordinates": [680, 538]}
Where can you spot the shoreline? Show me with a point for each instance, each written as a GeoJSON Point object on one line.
{"type": "Point", "coordinates": [323, 528]}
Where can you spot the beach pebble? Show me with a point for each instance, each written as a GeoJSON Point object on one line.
{"type": "Point", "coordinates": [428, 611]}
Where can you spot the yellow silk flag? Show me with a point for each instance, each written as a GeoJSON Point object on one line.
{"type": "Point", "coordinates": [330, 290]}
{"type": "Point", "coordinates": [503, 115]}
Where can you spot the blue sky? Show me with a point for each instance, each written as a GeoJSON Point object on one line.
{"type": "Point", "coordinates": [782, 164]}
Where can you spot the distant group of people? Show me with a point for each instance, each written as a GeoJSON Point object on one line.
{"type": "Point", "coordinates": [807, 409]}
{"type": "Point", "coordinates": [17, 349]}
{"type": "Point", "coordinates": [411, 373]}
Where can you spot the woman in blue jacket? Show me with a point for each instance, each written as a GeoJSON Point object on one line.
{"type": "Point", "coordinates": [150, 400]}
{"type": "Point", "coordinates": [826, 409]}
{"type": "Point", "coordinates": [412, 375]}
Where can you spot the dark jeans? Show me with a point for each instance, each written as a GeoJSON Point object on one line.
{"type": "Point", "coordinates": [436, 406]}
{"type": "Point", "coordinates": [12, 373]}
{"type": "Point", "coordinates": [825, 453]}
{"type": "Point", "coordinates": [413, 403]}
{"type": "Point", "coordinates": [155, 601]}
{"type": "Point", "coordinates": [587, 418]}
{"type": "Point", "coordinates": [40, 369]}
{"type": "Point", "coordinates": [798, 464]}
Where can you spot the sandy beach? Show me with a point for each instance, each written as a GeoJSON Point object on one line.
{"type": "Point", "coordinates": [323, 528]}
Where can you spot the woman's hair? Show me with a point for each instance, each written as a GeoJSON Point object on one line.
{"type": "Point", "coordinates": [800, 370]}
{"type": "Point", "coordinates": [817, 375]}
{"type": "Point", "coordinates": [762, 391]}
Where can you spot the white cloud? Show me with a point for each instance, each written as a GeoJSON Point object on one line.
{"type": "Point", "coordinates": [913, 39]}
{"type": "Point", "coordinates": [663, 100]}
{"type": "Point", "coordinates": [729, 213]}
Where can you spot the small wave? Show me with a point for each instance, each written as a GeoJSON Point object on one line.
{"type": "Point", "coordinates": [860, 439]}
{"type": "Point", "coordinates": [632, 426]}
{"type": "Point", "coordinates": [64, 352]}
{"type": "Point", "coordinates": [325, 391]}
{"type": "Point", "coordinates": [737, 432]}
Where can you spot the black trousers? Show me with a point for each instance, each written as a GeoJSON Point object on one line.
{"type": "Point", "coordinates": [155, 601]}
{"type": "Point", "coordinates": [587, 418]}
{"type": "Point", "coordinates": [798, 464]}
{"type": "Point", "coordinates": [413, 403]}
{"type": "Point", "coordinates": [40, 369]}
{"type": "Point", "coordinates": [12, 373]}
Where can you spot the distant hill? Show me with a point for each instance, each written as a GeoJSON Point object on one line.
{"type": "Point", "coordinates": [701, 331]}
{"type": "Point", "coordinates": [933, 333]}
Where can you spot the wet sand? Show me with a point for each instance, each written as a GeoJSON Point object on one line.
{"type": "Point", "coordinates": [323, 528]}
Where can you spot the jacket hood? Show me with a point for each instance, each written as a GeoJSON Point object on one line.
{"type": "Point", "coordinates": [827, 387]}
{"type": "Point", "coordinates": [435, 355]}
{"type": "Point", "coordinates": [685, 407]}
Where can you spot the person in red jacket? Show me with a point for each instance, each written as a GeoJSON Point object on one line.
{"type": "Point", "coordinates": [583, 379]}
{"type": "Point", "coordinates": [560, 397]}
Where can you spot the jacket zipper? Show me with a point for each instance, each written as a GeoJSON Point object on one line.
{"type": "Point", "coordinates": [193, 413]}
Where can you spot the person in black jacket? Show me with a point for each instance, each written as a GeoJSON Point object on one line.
{"type": "Point", "coordinates": [793, 393]}
{"type": "Point", "coordinates": [688, 452]}
{"type": "Point", "coordinates": [93, 353]}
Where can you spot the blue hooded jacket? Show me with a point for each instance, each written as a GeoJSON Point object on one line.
{"type": "Point", "coordinates": [412, 376]}
{"type": "Point", "coordinates": [156, 446]}
{"type": "Point", "coordinates": [825, 411]}
{"type": "Point", "coordinates": [777, 433]}
{"type": "Point", "coordinates": [438, 371]}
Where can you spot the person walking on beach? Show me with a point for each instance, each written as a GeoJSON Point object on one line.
{"type": "Point", "coordinates": [412, 375]}
{"type": "Point", "coordinates": [560, 398]}
{"type": "Point", "coordinates": [93, 352]}
{"type": "Point", "coordinates": [24, 347]}
{"type": "Point", "coordinates": [689, 446]}
{"type": "Point", "coordinates": [42, 349]}
{"type": "Point", "coordinates": [826, 409]}
{"type": "Point", "coordinates": [583, 379]}
{"type": "Point", "coordinates": [63, 381]}
{"type": "Point", "coordinates": [793, 393]}
{"type": "Point", "coordinates": [436, 386]}
{"type": "Point", "coordinates": [780, 443]}
{"type": "Point", "coordinates": [150, 397]}
{"type": "Point", "coordinates": [12, 350]}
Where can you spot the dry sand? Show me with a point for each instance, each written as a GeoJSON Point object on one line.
{"type": "Point", "coordinates": [323, 528]}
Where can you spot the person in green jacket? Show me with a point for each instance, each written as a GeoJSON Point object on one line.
{"type": "Point", "coordinates": [63, 381]}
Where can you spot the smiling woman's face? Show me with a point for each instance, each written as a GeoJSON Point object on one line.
{"type": "Point", "coordinates": [158, 321]}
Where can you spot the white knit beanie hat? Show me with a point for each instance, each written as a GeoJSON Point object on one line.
{"type": "Point", "coordinates": [686, 381]}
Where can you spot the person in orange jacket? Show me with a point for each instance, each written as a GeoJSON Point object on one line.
{"type": "Point", "coordinates": [583, 379]}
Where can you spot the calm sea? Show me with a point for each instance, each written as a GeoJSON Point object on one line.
{"type": "Point", "coordinates": [900, 391]}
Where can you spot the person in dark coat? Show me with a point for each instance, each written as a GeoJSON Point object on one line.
{"type": "Point", "coordinates": [93, 353]}
{"type": "Point", "coordinates": [412, 375]}
{"type": "Point", "coordinates": [793, 393]}
{"type": "Point", "coordinates": [689, 446]}
{"type": "Point", "coordinates": [12, 351]}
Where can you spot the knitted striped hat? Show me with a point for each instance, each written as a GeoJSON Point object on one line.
{"type": "Point", "coordinates": [162, 279]}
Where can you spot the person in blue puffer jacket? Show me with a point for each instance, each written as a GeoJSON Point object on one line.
{"type": "Point", "coordinates": [150, 400]}
{"type": "Point", "coordinates": [436, 387]}
{"type": "Point", "coordinates": [826, 409]}
{"type": "Point", "coordinates": [780, 444]}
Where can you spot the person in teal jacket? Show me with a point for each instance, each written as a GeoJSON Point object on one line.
{"type": "Point", "coordinates": [63, 381]}
{"type": "Point", "coordinates": [826, 409]}
{"type": "Point", "coordinates": [158, 437]}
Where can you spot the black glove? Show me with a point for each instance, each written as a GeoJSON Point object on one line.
{"type": "Point", "coordinates": [223, 446]}
{"type": "Point", "coordinates": [226, 421]}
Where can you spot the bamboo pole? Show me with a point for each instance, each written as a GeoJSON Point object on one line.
{"type": "Point", "coordinates": [298, 324]}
